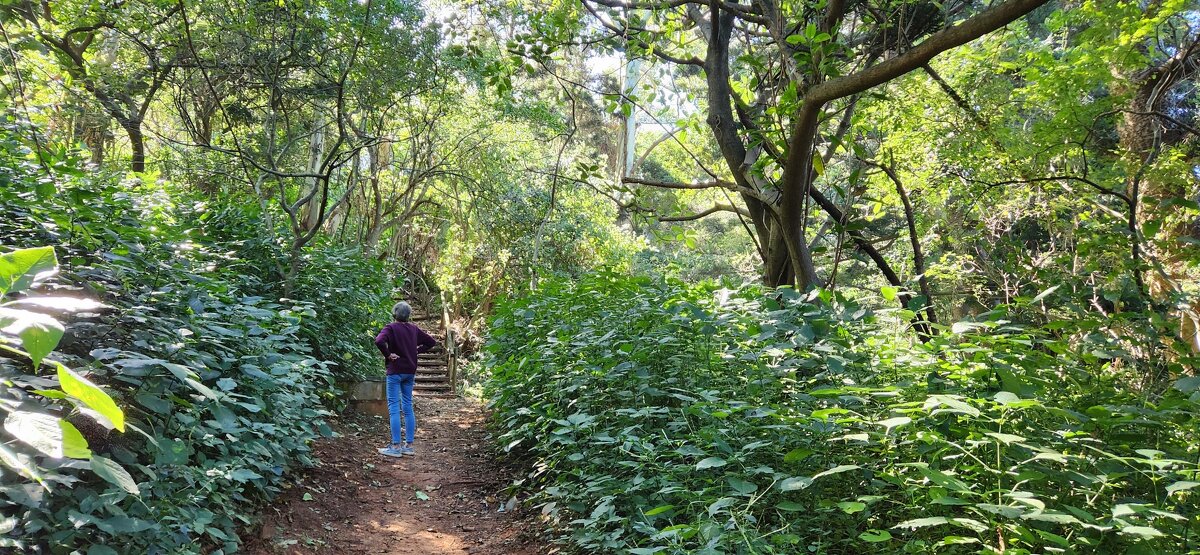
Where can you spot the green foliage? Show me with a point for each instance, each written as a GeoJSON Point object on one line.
{"type": "Point", "coordinates": [663, 418]}
{"type": "Point", "coordinates": [214, 386]}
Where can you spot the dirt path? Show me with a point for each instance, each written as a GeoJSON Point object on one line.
{"type": "Point", "coordinates": [358, 501]}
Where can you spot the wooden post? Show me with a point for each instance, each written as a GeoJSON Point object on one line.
{"type": "Point", "coordinates": [451, 346]}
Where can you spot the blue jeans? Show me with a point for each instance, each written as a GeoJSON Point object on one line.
{"type": "Point", "coordinates": [399, 391]}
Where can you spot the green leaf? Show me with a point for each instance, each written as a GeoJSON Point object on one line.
{"type": "Point", "coordinates": [114, 474]}
{"type": "Point", "coordinates": [22, 268]}
{"type": "Point", "coordinates": [923, 522]}
{"type": "Point", "coordinates": [39, 333]}
{"type": "Point", "coordinates": [1006, 439]}
{"type": "Point", "coordinates": [422, 495]}
{"type": "Point", "coordinates": [851, 507]}
{"type": "Point", "coordinates": [244, 475]}
{"type": "Point", "coordinates": [80, 388]}
{"type": "Point", "coordinates": [1045, 293]}
{"type": "Point", "coordinates": [837, 470]}
{"type": "Point", "coordinates": [742, 486]}
{"type": "Point", "coordinates": [659, 510]}
{"type": "Point", "coordinates": [790, 506]}
{"type": "Point", "coordinates": [711, 462]}
{"type": "Point", "coordinates": [875, 536]}
{"type": "Point", "coordinates": [797, 454]}
{"type": "Point", "coordinates": [1181, 486]}
{"type": "Point", "coordinates": [1142, 532]}
{"type": "Point", "coordinates": [40, 431]}
{"type": "Point", "coordinates": [307, 496]}
{"type": "Point", "coordinates": [1188, 384]}
{"type": "Point", "coordinates": [888, 292]}
{"type": "Point", "coordinates": [795, 483]}
{"type": "Point", "coordinates": [203, 389]}
{"type": "Point", "coordinates": [74, 445]}
{"type": "Point", "coordinates": [894, 422]}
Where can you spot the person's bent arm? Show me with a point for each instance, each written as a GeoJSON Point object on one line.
{"type": "Point", "coordinates": [381, 341]}
{"type": "Point", "coordinates": [424, 341]}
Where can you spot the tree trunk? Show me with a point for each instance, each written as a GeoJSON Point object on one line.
{"type": "Point", "coordinates": [316, 150]}
{"type": "Point", "coordinates": [137, 142]}
{"type": "Point", "coordinates": [1143, 135]}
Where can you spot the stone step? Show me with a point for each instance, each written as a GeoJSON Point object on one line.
{"type": "Point", "coordinates": [432, 387]}
{"type": "Point", "coordinates": [425, 378]}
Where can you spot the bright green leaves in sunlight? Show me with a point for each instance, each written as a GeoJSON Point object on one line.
{"type": "Point", "coordinates": [751, 421]}
{"type": "Point", "coordinates": [95, 398]}
{"type": "Point", "coordinates": [22, 268]}
{"type": "Point", "coordinates": [37, 335]}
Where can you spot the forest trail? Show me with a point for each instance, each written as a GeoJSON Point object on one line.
{"type": "Point", "coordinates": [358, 501]}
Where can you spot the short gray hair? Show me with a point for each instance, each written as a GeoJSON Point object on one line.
{"type": "Point", "coordinates": [401, 312]}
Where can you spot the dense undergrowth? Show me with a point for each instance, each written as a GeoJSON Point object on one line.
{"type": "Point", "coordinates": [223, 383]}
{"type": "Point", "coordinates": [658, 417]}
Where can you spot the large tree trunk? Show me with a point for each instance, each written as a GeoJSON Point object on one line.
{"type": "Point", "coordinates": [1143, 135]}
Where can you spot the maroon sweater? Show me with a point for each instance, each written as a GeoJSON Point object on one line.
{"type": "Point", "coordinates": [405, 340]}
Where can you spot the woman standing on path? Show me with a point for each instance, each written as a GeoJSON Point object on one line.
{"type": "Point", "coordinates": [400, 342]}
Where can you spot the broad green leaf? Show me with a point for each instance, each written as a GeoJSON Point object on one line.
{"type": "Point", "coordinates": [875, 536]}
{"type": "Point", "coordinates": [244, 475]}
{"type": "Point", "coordinates": [39, 333]}
{"type": "Point", "coordinates": [37, 430]}
{"type": "Point", "coordinates": [923, 522]}
{"type": "Point", "coordinates": [795, 483]}
{"type": "Point", "coordinates": [790, 506]}
{"type": "Point", "coordinates": [742, 486]}
{"type": "Point", "coordinates": [1006, 439]}
{"type": "Point", "coordinates": [80, 388]}
{"type": "Point", "coordinates": [837, 470]}
{"type": "Point", "coordinates": [851, 507]}
{"type": "Point", "coordinates": [1188, 384]}
{"type": "Point", "coordinates": [203, 389]}
{"type": "Point", "coordinates": [422, 495]}
{"type": "Point", "coordinates": [659, 510]}
{"type": "Point", "coordinates": [720, 504]}
{"type": "Point", "coordinates": [1181, 486]}
{"type": "Point", "coordinates": [123, 525]}
{"type": "Point", "coordinates": [888, 292]}
{"type": "Point", "coordinates": [1045, 293]}
{"type": "Point", "coordinates": [114, 474]}
{"type": "Point", "coordinates": [710, 462]}
{"type": "Point", "coordinates": [22, 268]}
{"type": "Point", "coordinates": [797, 454]}
{"type": "Point", "coordinates": [74, 445]}
{"type": "Point", "coordinates": [948, 403]}
{"type": "Point", "coordinates": [895, 422]}
{"type": "Point", "coordinates": [1142, 532]}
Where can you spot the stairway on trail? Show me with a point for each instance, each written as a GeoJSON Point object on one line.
{"type": "Point", "coordinates": [435, 369]}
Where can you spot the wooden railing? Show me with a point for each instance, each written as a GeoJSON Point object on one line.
{"type": "Point", "coordinates": [451, 346]}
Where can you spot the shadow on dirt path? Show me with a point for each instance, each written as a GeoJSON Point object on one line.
{"type": "Point", "coordinates": [445, 500]}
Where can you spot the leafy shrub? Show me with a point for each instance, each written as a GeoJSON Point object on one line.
{"type": "Point", "coordinates": [657, 417]}
{"type": "Point", "coordinates": [221, 395]}
{"type": "Point", "coordinates": [352, 293]}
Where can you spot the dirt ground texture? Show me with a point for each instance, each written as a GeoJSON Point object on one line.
{"type": "Point", "coordinates": [445, 500]}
